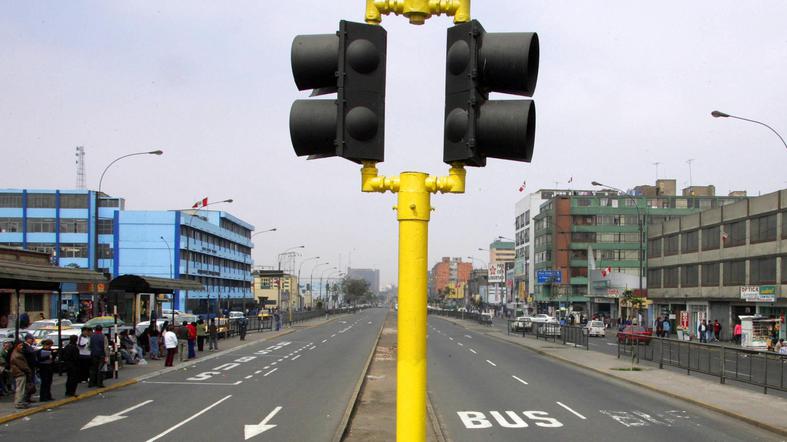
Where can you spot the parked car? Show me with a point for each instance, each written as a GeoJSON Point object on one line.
{"type": "Point", "coordinates": [596, 328]}
{"type": "Point", "coordinates": [49, 323]}
{"type": "Point", "coordinates": [142, 326]}
{"type": "Point", "coordinates": [541, 317]}
{"type": "Point", "coordinates": [522, 323]}
{"type": "Point", "coordinates": [65, 333]}
{"type": "Point", "coordinates": [634, 333]}
{"type": "Point", "coordinates": [236, 315]}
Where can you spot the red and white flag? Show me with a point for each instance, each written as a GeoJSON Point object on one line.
{"type": "Point", "coordinates": [522, 187]}
{"type": "Point", "coordinates": [723, 235]}
{"type": "Point", "coordinates": [201, 203]}
{"type": "Point", "coordinates": [606, 271]}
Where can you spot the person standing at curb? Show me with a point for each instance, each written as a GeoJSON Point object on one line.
{"type": "Point", "coordinates": [171, 344]}
{"type": "Point", "coordinates": [20, 371]}
{"type": "Point", "coordinates": [202, 333]}
{"type": "Point", "coordinates": [83, 345]}
{"type": "Point", "coordinates": [182, 334]}
{"type": "Point", "coordinates": [738, 331]}
{"type": "Point", "coordinates": [213, 335]}
{"type": "Point", "coordinates": [192, 341]}
{"type": "Point", "coordinates": [45, 361]}
{"type": "Point", "coordinates": [70, 359]}
{"type": "Point", "coordinates": [98, 357]}
{"type": "Point", "coordinates": [153, 336]}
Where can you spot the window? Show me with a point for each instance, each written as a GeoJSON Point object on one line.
{"type": "Point", "coordinates": [527, 217]}
{"type": "Point", "coordinates": [762, 271]}
{"type": "Point", "coordinates": [763, 228]}
{"type": "Point", "coordinates": [13, 200]}
{"type": "Point", "coordinates": [70, 250]}
{"type": "Point", "coordinates": [38, 225]}
{"type": "Point", "coordinates": [654, 248]}
{"type": "Point", "coordinates": [10, 225]}
{"type": "Point", "coordinates": [736, 234]}
{"type": "Point", "coordinates": [710, 238]}
{"type": "Point", "coordinates": [583, 202]}
{"type": "Point", "coordinates": [670, 277]}
{"type": "Point", "coordinates": [784, 225]}
{"type": "Point", "coordinates": [689, 275]}
{"type": "Point", "coordinates": [109, 202]}
{"type": "Point", "coordinates": [73, 225]}
{"type": "Point", "coordinates": [690, 241]}
{"type": "Point", "coordinates": [34, 302]}
{"type": "Point", "coordinates": [40, 200]}
{"type": "Point", "coordinates": [583, 220]}
{"type": "Point", "coordinates": [710, 275]}
{"type": "Point", "coordinates": [70, 201]}
{"type": "Point", "coordinates": [105, 226]}
{"type": "Point", "coordinates": [583, 237]}
{"type": "Point", "coordinates": [671, 245]}
{"type": "Point", "coordinates": [654, 278]}
{"type": "Point", "coordinates": [104, 251]}
{"type": "Point", "coordinates": [735, 272]}
{"type": "Point", "coordinates": [47, 248]}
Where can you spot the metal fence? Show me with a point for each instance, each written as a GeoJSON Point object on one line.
{"type": "Point", "coordinates": [761, 368]}
{"type": "Point", "coordinates": [469, 316]}
{"type": "Point", "coordinates": [565, 334]}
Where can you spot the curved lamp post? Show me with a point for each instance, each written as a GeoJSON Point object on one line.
{"type": "Point", "coordinates": [719, 114]}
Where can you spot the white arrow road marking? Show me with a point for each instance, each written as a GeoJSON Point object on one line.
{"type": "Point", "coordinates": [101, 420]}
{"type": "Point", "coordinates": [250, 431]}
{"type": "Point", "coordinates": [184, 422]}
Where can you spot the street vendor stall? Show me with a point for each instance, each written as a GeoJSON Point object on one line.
{"type": "Point", "coordinates": [756, 331]}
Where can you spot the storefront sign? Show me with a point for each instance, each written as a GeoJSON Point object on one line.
{"type": "Point", "coordinates": [613, 292]}
{"type": "Point", "coordinates": [496, 273]}
{"type": "Point", "coordinates": [754, 293]}
{"type": "Point", "coordinates": [684, 319]}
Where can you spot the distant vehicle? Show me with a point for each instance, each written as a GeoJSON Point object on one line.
{"type": "Point", "coordinates": [543, 318]}
{"type": "Point", "coordinates": [596, 328]}
{"type": "Point", "coordinates": [65, 333]}
{"type": "Point", "coordinates": [42, 333]}
{"type": "Point", "coordinates": [49, 323]}
{"type": "Point", "coordinates": [8, 333]}
{"type": "Point", "coordinates": [522, 323]}
{"type": "Point", "coordinates": [103, 321]}
{"type": "Point", "coordinates": [236, 315]}
{"type": "Point", "coordinates": [633, 334]}
{"type": "Point", "coordinates": [142, 326]}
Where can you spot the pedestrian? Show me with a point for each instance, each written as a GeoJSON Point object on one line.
{"type": "Point", "coordinates": [29, 353]}
{"type": "Point", "coordinates": [202, 333]}
{"type": "Point", "coordinates": [659, 327]}
{"type": "Point", "coordinates": [277, 319]}
{"type": "Point", "coordinates": [143, 343]}
{"type": "Point", "coordinates": [666, 327]}
{"type": "Point", "coordinates": [242, 328]}
{"type": "Point", "coordinates": [192, 341]}
{"type": "Point", "coordinates": [83, 345]}
{"type": "Point", "coordinates": [777, 348]}
{"type": "Point", "coordinates": [737, 332]}
{"type": "Point", "coordinates": [702, 330]}
{"type": "Point", "coordinates": [182, 334]}
{"type": "Point", "coordinates": [783, 350]}
{"type": "Point", "coordinates": [70, 358]}
{"type": "Point", "coordinates": [98, 357]}
{"type": "Point", "coordinates": [716, 329]}
{"type": "Point", "coordinates": [213, 335]}
{"type": "Point", "coordinates": [171, 344]}
{"type": "Point", "coordinates": [45, 363]}
{"type": "Point", "coordinates": [5, 366]}
{"type": "Point", "coordinates": [21, 372]}
{"type": "Point", "coordinates": [153, 338]}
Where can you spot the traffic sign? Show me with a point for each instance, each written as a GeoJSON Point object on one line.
{"type": "Point", "coordinates": [549, 276]}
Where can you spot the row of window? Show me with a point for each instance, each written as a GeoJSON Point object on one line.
{"type": "Point", "coordinates": [729, 273]}
{"type": "Point", "coordinates": [214, 261]}
{"type": "Point", "coordinates": [222, 285]}
{"type": "Point", "coordinates": [596, 237]}
{"type": "Point", "coordinates": [213, 240]}
{"type": "Point", "coordinates": [235, 228]}
{"type": "Point", "coordinates": [657, 203]}
{"type": "Point", "coordinates": [44, 201]}
{"type": "Point", "coordinates": [522, 220]}
{"type": "Point", "coordinates": [49, 225]}
{"type": "Point", "coordinates": [604, 220]}
{"type": "Point", "coordinates": [761, 229]}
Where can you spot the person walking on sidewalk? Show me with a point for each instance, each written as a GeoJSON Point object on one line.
{"type": "Point", "coordinates": [737, 332]}
{"type": "Point", "coordinates": [171, 344]}
{"type": "Point", "coordinates": [213, 335]}
{"type": "Point", "coordinates": [716, 329]}
{"type": "Point", "coordinates": [153, 336]}
{"type": "Point", "coordinates": [21, 372]}
{"type": "Point", "coordinates": [98, 357]}
{"type": "Point", "coordinates": [192, 342]}
{"type": "Point", "coordinates": [702, 331]}
{"type": "Point", "coordinates": [70, 359]}
{"type": "Point", "coordinates": [45, 362]}
{"type": "Point", "coordinates": [202, 333]}
{"type": "Point", "coordinates": [666, 326]}
{"type": "Point", "coordinates": [83, 345]}
{"type": "Point", "coordinates": [182, 334]}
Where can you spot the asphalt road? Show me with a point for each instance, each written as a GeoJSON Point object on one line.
{"type": "Point", "coordinates": [295, 388]}
{"type": "Point", "coordinates": [485, 389]}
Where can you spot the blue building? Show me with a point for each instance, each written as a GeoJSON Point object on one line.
{"type": "Point", "coordinates": [211, 247]}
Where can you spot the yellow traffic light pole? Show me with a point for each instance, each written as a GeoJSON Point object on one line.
{"type": "Point", "coordinates": [413, 211]}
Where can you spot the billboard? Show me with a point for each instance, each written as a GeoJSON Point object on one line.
{"type": "Point", "coordinates": [497, 273]}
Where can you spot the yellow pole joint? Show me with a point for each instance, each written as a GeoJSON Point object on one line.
{"type": "Point", "coordinates": [372, 182]}
{"type": "Point", "coordinates": [417, 11]}
{"type": "Point", "coordinates": [453, 183]}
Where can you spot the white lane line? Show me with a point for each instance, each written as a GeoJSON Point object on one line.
{"type": "Point", "coordinates": [520, 380]}
{"type": "Point", "coordinates": [266, 374]}
{"type": "Point", "coordinates": [451, 338]}
{"type": "Point", "coordinates": [248, 377]}
{"type": "Point", "coordinates": [266, 367]}
{"type": "Point", "coordinates": [296, 357]}
{"type": "Point", "coordinates": [460, 344]}
{"type": "Point", "coordinates": [468, 337]}
{"type": "Point", "coordinates": [474, 352]}
{"type": "Point", "coordinates": [324, 341]}
{"type": "Point", "coordinates": [491, 363]}
{"type": "Point", "coordinates": [273, 363]}
{"type": "Point", "coordinates": [191, 383]}
{"type": "Point", "coordinates": [259, 371]}
{"type": "Point", "coordinates": [569, 409]}
{"type": "Point", "coordinates": [184, 422]}
{"type": "Point", "coordinates": [279, 360]}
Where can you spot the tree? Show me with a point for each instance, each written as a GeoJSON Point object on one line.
{"type": "Point", "coordinates": [356, 290]}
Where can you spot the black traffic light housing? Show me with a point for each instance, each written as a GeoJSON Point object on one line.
{"type": "Point", "coordinates": [352, 64]}
{"type": "Point", "coordinates": [478, 63]}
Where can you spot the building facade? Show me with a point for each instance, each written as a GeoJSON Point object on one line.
{"type": "Point", "coordinates": [501, 257]}
{"type": "Point", "coordinates": [721, 263]}
{"type": "Point", "coordinates": [452, 274]}
{"type": "Point", "coordinates": [372, 276]}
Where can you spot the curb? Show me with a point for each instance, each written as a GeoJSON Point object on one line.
{"type": "Point", "coordinates": [351, 405]}
{"type": "Point", "coordinates": [88, 394]}
{"type": "Point", "coordinates": [748, 420]}
{"type": "Point", "coordinates": [437, 427]}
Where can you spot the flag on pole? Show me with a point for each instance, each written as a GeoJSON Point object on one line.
{"type": "Point", "coordinates": [201, 203]}
{"type": "Point", "coordinates": [606, 271]}
{"type": "Point", "coordinates": [522, 187]}
{"type": "Point", "coordinates": [723, 235]}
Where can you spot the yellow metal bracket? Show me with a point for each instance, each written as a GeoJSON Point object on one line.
{"type": "Point", "coordinates": [417, 11]}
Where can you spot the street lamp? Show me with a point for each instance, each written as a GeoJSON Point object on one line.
{"type": "Point", "coordinates": [169, 252]}
{"type": "Point", "coordinates": [719, 114]}
{"type": "Point", "coordinates": [640, 223]}
{"type": "Point", "coordinates": [328, 278]}
{"type": "Point", "coordinates": [263, 231]}
{"type": "Point", "coordinates": [285, 252]}
{"type": "Point", "coordinates": [299, 273]}
{"type": "Point", "coordinates": [98, 195]}
{"type": "Point", "coordinates": [321, 275]}
{"type": "Point", "coordinates": [279, 285]}
{"type": "Point", "coordinates": [188, 254]}
{"type": "Point", "coordinates": [472, 258]}
{"type": "Point", "coordinates": [311, 277]}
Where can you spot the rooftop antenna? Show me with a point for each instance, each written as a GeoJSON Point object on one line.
{"type": "Point", "coordinates": [689, 161]}
{"type": "Point", "coordinates": [80, 162]}
{"type": "Point", "coordinates": [656, 163]}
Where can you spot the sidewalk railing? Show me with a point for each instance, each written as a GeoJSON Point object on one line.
{"type": "Point", "coordinates": [761, 368]}
{"type": "Point", "coordinates": [469, 316]}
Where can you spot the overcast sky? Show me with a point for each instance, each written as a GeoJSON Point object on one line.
{"type": "Point", "coordinates": [622, 84]}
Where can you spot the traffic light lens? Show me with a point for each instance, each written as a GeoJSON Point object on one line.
{"type": "Point", "coordinates": [456, 125]}
{"type": "Point", "coordinates": [313, 127]}
{"type": "Point", "coordinates": [361, 123]}
{"type": "Point", "coordinates": [458, 57]}
{"type": "Point", "coordinates": [363, 56]}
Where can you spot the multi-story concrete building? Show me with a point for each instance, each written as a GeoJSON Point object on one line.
{"type": "Point", "coordinates": [451, 273]}
{"type": "Point", "coordinates": [721, 263]}
{"type": "Point", "coordinates": [501, 256]}
{"type": "Point", "coordinates": [372, 276]}
{"type": "Point", "coordinates": [586, 230]}
{"type": "Point", "coordinates": [274, 288]}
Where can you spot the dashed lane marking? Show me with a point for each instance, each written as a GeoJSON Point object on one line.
{"type": "Point", "coordinates": [296, 357]}
{"type": "Point", "coordinates": [266, 374]}
{"type": "Point", "coordinates": [491, 363]}
{"type": "Point", "coordinates": [474, 352]}
{"type": "Point", "coordinates": [572, 411]}
{"type": "Point", "coordinates": [520, 380]}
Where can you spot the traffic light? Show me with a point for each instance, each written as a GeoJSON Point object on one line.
{"type": "Point", "coordinates": [351, 64]}
{"type": "Point", "coordinates": [478, 63]}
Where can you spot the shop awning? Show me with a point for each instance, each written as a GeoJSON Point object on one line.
{"type": "Point", "coordinates": [151, 284]}
{"type": "Point", "coordinates": [25, 276]}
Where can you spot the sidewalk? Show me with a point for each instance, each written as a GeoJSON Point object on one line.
{"type": "Point", "coordinates": [131, 374]}
{"type": "Point", "coordinates": [752, 407]}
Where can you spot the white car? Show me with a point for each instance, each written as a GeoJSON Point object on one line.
{"type": "Point", "coordinates": [522, 323]}
{"type": "Point", "coordinates": [543, 318]}
{"type": "Point", "coordinates": [596, 328]}
{"type": "Point", "coordinates": [48, 323]}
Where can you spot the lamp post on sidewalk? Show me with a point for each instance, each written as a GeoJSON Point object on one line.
{"type": "Point", "coordinates": [299, 274]}
{"type": "Point", "coordinates": [719, 114]}
{"type": "Point", "coordinates": [289, 309]}
{"type": "Point", "coordinates": [311, 279]}
{"type": "Point", "coordinates": [321, 275]}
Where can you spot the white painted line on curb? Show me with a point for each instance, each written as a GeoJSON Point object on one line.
{"type": "Point", "coordinates": [191, 383]}
{"type": "Point", "coordinates": [491, 363]}
{"type": "Point", "coordinates": [266, 374]}
{"type": "Point", "coordinates": [184, 422]}
{"type": "Point", "coordinates": [569, 409]}
{"type": "Point", "coordinates": [520, 380]}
